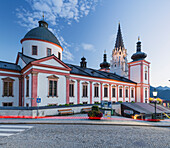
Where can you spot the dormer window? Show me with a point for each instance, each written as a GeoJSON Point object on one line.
{"type": "Point", "coordinates": [34, 50]}
{"type": "Point", "coordinates": [48, 51]}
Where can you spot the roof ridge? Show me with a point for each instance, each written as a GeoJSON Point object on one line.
{"type": "Point", "coordinates": [9, 62]}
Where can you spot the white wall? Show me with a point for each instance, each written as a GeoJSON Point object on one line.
{"type": "Point", "coordinates": [43, 90]}
{"type": "Point", "coordinates": [135, 73]}
{"type": "Point", "coordinates": [42, 48]}
{"type": "Point", "coordinates": [14, 99]}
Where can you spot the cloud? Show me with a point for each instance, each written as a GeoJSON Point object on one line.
{"type": "Point", "coordinates": [88, 47]}
{"type": "Point", "coordinates": [56, 12]}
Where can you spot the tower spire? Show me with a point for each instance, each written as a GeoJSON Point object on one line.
{"type": "Point", "coordinates": [119, 39]}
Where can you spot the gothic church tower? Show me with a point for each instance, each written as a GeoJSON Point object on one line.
{"type": "Point", "coordinates": [119, 56]}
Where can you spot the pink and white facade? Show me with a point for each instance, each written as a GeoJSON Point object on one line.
{"type": "Point", "coordinates": [39, 72]}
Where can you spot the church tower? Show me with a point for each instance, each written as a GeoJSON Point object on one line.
{"type": "Point", "coordinates": [119, 57]}
{"type": "Point", "coordinates": [139, 72]}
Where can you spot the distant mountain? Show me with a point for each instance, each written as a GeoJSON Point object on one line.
{"type": "Point", "coordinates": [163, 92]}
{"type": "Point", "coordinates": [162, 88]}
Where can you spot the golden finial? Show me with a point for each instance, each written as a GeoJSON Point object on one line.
{"type": "Point", "coordinates": [119, 22]}
{"type": "Point", "coordinates": [43, 16]}
{"type": "Point", "coordinates": [138, 38]}
{"type": "Point", "coordinates": [105, 51]}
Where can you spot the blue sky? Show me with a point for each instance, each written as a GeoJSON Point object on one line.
{"type": "Point", "coordinates": [90, 27]}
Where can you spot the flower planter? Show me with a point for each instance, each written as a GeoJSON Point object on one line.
{"type": "Point", "coordinates": [95, 118]}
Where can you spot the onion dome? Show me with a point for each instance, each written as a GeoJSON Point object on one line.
{"type": "Point", "coordinates": [138, 55]}
{"type": "Point", "coordinates": [41, 33]}
{"type": "Point", "coordinates": [105, 64]}
{"type": "Point", "coordinates": [83, 62]}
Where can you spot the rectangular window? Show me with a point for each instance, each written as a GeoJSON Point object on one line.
{"type": "Point", "coordinates": [5, 88]}
{"type": "Point", "coordinates": [48, 51]}
{"type": "Point", "coordinates": [84, 90]}
{"type": "Point", "coordinates": [126, 93]}
{"type": "Point", "coordinates": [105, 91]}
{"type": "Point", "coordinates": [96, 91]}
{"type": "Point", "coordinates": [84, 102]}
{"type": "Point", "coordinates": [145, 75]}
{"type": "Point", "coordinates": [120, 92]}
{"type": "Point", "coordinates": [34, 50]}
{"type": "Point", "coordinates": [132, 95]}
{"type": "Point", "coordinates": [55, 88]}
{"type": "Point", "coordinates": [7, 104]}
{"type": "Point", "coordinates": [50, 88]}
{"type": "Point", "coordinates": [71, 90]}
{"type": "Point", "coordinates": [59, 55]}
{"type": "Point", "coordinates": [27, 89]}
{"type": "Point", "coordinates": [8, 89]}
{"type": "Point", "coordinates": [146, 93]}
{"type": "Point", "coordinates": [113, 92]}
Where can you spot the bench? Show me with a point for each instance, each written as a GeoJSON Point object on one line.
{"type": "Point", "coordinates": [65, 111]}
{"type": "Point", "coordinates": [85, 110]}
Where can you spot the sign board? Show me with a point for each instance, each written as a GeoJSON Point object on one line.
{"type": "Point", "coordinates": [38, 100]}
{"type": "Point", "coordinates": [107, 114]}
{"type": "Point", "coordinates": [128, 112]}
{"type": "Point", "coordinates": [109, 104]}
{"type": "Point", "coordinates": [106, 104]}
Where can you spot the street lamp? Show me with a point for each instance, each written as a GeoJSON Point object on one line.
{"type": "Point", "coordinates": [155, 95]}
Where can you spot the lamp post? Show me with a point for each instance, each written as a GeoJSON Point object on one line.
{"type": "Point", "coordinates": [155, 95]}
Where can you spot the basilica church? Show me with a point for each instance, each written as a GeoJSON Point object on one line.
{"type": "Point", "coordinates": [40, 72]}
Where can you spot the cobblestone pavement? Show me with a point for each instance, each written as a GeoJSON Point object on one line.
{"type": "Point", "coordinates": [88, 136]}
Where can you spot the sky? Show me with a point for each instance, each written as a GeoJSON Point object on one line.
{"type": "Point", "coordinates": [88, 27]}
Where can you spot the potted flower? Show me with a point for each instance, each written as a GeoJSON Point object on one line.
{"type": "Point", "coordinates": [95, 113]}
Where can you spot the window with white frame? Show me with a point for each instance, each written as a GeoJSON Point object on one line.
{"type": "Point", "coordinates": [105, 90]}
{"type": "Point", "coordinates": [146, 73]}
{"type": "Point", "coordinates": [48, 51]}
{"type": "Point", "coordinates": [120, 92]}
{"type": "Point", "coordinates": [113, 91]}
{"type": "Point", "coordinates": [71, 89]}
{"type": "Point", "coordinates": [34, 50]}
{"type": "Point", "coordinates": [96, 90]}
{"type": "Point", "coordinates": [8, 87]}
{"type": "Point", "coordinates": [52, 89]}
{"type": "Point", "coordinates": [85, 87]}
{"type": "Point", "coordinates": [126, 93]}
{"type": "Point", "coordinates": [27, 86]}
{"type": "Point", "coordinates": [132, 93]}
{"type": "Point", "coordinates": [146, 93]}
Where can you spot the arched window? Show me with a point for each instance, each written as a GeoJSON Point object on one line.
{"type": "Point", "coordinates": [120, 92]}
{"type": "Point", "coordinates": [71, 88]}
{"type": "Point", "coordinates": [132, 93]}
{"type": "Point", "coordinates": [146, 93]}
{"type": "Point", "coordinates": [96, 90]}
{"type": "Point", "coordinates": [126, 92]}
{"type": "Point", "coordinates": [85, 88]}
{"type": "Point", "coordinates": [113, 91]}
{"type": "Point", "coordinates": [106, 90]}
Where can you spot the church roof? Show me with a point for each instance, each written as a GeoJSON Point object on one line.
{"type": "Point", "coordinates": [85, 71]}
{"type": "Point", "coordinates": [96, 73]}
{"type": "Point", "coordinates": [9, 66]}
{"type": "Point", "coordinates": [119, 39]}
{"type": "Point", "coordinates": [42, 32]}
{"type": "Point", "coordinates": [25, 58]}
